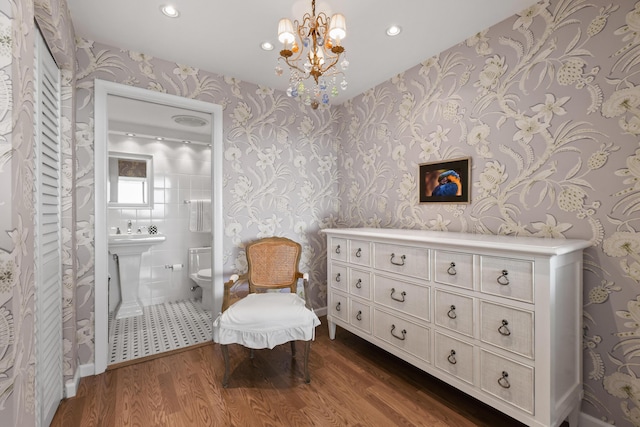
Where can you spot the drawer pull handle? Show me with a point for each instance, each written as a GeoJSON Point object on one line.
{"type": "Point", "coordinates": [397, 263]}
{"type": "Point", "coordinates": [452, 269]}
{"type": "Point", "coordinates": [503, 279]}
{"type": "Point", "coordinates": [451, 314]}
{"type": "Point", "coordinates": [503, 329]}
{"type": "Point", "coordinates": [402, 295]}
{"type": "Point", "coordinates": [359, 253]}
{"type": "Point", "coordinates": [338, 277]}
{"type": "Point", "coordinates": [359, 284]}
{"type": "Point", "coordinates": [338, 308]}
{"type": "Point", "coordinates": [403, 332]}
{"type": "Point", "coordinates": [452, 357]}
{"type": "Point", "coordinates": [338, 249]}
{"type": "Point", "coordinates": [359, 315]}
{"type": "Point", "coordinates": [503, 381]}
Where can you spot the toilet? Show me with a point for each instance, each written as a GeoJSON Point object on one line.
{"type": "Point", "coordinates": [200, 273]}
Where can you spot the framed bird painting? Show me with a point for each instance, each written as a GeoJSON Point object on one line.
{"type": "Point", "coordinates": [445, 181]}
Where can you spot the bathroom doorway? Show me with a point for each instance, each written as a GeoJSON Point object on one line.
{"type": "Point", "coordinates": [169, 150]}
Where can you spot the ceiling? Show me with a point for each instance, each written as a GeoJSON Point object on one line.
{"type": "Point", "coordinates": [147, 120]}
{"type": "Point", "coordinates": [224, 37]}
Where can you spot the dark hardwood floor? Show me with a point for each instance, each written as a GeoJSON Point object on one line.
{"type": "Point", "coordinates": [353, 383]}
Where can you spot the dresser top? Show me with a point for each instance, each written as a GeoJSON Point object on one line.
{"type": "Point", "coordinates": [533, 245]}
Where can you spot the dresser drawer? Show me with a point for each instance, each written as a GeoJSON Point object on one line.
{"type": "Point", "coordinates": [338, 306]}
{"type": "Point", "coordinates": [405, 260]}
{"type": "Point", "coordinates": [405, 297]}
{"type": "Point", "coordinates": [453, 311]}
{"type": "Point", "coordinates": [454, 357]}
{"type": "Point", "coordinates": [361, 316]}
{"type": "Point", "coordinates": [338, 277]}
{"type": "Point", "coordinates": [360, 252]}
{"type": "Point", "coordinates": [453, 268]}
{"type": "Point", "coordinates": [506, 327]}
{"type": "Point", "coordinates": [338, 249]}
{"type": "Point", "coordinates": [407, 336]}
{"type": "Point", "coordinates": [360, 283]}
{"type": "Point", "coordinates": [509, 278]}
{"type": "Point", "coordinates": [507, 380]}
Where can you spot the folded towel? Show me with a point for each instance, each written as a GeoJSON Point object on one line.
{"type": "Point", "coordinates": [200, 216]}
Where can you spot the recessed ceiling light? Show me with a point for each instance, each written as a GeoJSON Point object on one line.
{"type": "Point", "coordinates": [186, 142]}
{"type": "Point", "coordinates": [170, 11]}
{"type": "Point", "coordinates": [160, 138]}
{"type": "Point", "coordinates": [394, 30]}
{"type": "Point", "coordinates": [266, 46]}
{"type": "Point", "coordinates": [131, 134]}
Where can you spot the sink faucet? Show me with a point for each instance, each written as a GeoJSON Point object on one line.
{"type": "Point", "coordinates": [129, 227]}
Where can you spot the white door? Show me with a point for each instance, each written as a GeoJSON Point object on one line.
{"type": "Point", "coordinates": [48, 262]}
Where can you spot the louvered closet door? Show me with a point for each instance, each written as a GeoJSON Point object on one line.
{"type": "Point", "coordinates": [49, 370]}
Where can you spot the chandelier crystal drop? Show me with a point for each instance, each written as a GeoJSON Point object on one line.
{"type": "Point", "coordinates": [312, 49]}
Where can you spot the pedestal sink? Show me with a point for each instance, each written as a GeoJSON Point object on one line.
{"type": "Point", "coordinates": [129, 248]}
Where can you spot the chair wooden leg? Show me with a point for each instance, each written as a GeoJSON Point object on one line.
{"type": "Point", "coordinates": [307, 350]}
{"type": "Point", "coordinates": [225, 356]}
{"type": "Point", "coordinates": [250, 353]}
{"type": "Point", "coordinates": [293, 349]}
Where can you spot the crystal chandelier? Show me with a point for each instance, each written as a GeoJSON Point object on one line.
{"type": "Point", "coordinates": [312, 49]}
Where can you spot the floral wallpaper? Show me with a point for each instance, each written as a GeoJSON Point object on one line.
{"type": "Point", "coordinates": [17, 349]}
{"type": "Point", "coordinates": [546, 104]}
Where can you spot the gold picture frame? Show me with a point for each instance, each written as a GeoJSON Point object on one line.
{"type": "Point", "coordinates": [445, 181]}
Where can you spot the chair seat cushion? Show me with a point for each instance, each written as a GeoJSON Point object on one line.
{"type": "Point", "coordinates": [265, 320]}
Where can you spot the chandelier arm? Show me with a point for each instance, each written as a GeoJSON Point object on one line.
{"type": "Point", "coordinates": [294, 66]}
{"type": "Point", "coordinates": [323, 20]}
{"type": "Point", "coordinates": [328, 67]}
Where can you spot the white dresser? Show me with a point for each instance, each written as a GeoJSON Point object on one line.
{"type": "Point", "coordinates": [498, 317]}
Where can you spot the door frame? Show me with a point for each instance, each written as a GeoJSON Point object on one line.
{"type": "Point", "coordinates": [101, 302]}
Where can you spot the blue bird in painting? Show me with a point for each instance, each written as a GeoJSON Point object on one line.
{"type": "Point", "coordinates": [449, 184]}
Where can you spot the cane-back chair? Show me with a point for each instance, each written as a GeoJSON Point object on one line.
{"type": "Point", "coordinates": [267, 319]}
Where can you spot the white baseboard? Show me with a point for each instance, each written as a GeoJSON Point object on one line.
{"type": "Point", "coordinates": [87, 370]}
{"type": "Point", "coordinates": [322, 311]}
{"type": "Point", "coordinates": [589, 421]}
{"type": "Point", "coordinates": [71, 387]}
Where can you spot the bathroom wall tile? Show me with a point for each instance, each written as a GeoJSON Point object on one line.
{"type": "Point", "coordinates": [158, 195]}
{"type": "Point", "coordinates": [185, 194]}
{"type": "Point", "coordinates": [161, 164]}
{"type": "Point", "coordinates": [143, 214]}
{"type": "Point", "coordinates": [174, 165]}
{"type": "Point", "coordinates": [171, 195]}
{"type": "Point", "coordinates": [173, 226]}
{"type": "Point", "coordinates": [202, 168]}
{"type": "Point", "coordinates": [158, 180]}
{"type": "Point", "coordinates": [160, 273]}
{"type": "Point", "coordinates": [172, 210]}
{"type": "Point", "coordinates": [128, 214]}
{"type": "Point", "coordinates": [184, 181]}
{"type": "Point", "coordinates": [171, 180]}
{"type": "Point", "coordinates": [145, 293]}
{"type": "Point", "coordinates": [145, 268]}
{"type": "Point", "coordinates": [206, 181]}
{"type": "Point", "coordinates": [184, 165]}
{"type": "Point", "coordinates": [158, 211]}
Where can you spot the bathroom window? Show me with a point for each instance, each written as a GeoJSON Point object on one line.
{"type": "Point", "coordinates": [130, 180]}
{"type": "Point", "coordinates": [132, 190]}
